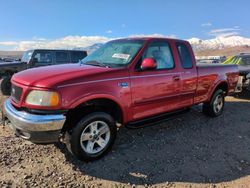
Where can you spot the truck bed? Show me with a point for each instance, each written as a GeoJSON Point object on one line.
{"type": "Point", "coordinates": [211, 74]}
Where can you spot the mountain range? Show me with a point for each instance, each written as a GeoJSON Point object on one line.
{"type": "Point", "coordinates": [223, 46]}
{"type": "Point", "coordinates": [218, 46]}
{"type": "Point", "coordinates": [91, 48]}
{"type": "Point", "coordinates": [219, 43]}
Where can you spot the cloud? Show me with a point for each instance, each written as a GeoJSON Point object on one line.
{"type": "Point", "coordinates": [109, 31]}
{"type": "Point", "coordinates": [8, 43]}
{"type": "Point", "coordinates": [38, 38]}
{"type": "Point", "coordinates": [225, 32]}
{"type": "Point", "coordinates": [208, 24]}
{"type": "Point", "coordinates": [68, 42]}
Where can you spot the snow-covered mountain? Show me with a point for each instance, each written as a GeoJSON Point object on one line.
{"type": "Point", "coordinates": [91, 48]}
{"type": "Point", "coordinates": [218, 43]}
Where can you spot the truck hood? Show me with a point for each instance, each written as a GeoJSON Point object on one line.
{"type": "Point", "coordinates": [13, 63]}
{"type": "Point", "coordinates": [53, 76]}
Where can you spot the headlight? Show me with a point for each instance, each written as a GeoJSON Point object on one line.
{"type": "Point", "coordinates": [42, 98]}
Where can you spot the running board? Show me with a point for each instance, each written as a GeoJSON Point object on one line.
{"type": "Point", "coordinates": [156, 119]}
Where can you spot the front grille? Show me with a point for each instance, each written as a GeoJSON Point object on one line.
{"type": "Point", "coordinates": [16, 93]}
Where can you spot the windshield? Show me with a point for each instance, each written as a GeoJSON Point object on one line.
{"type": "Point", "coordinates": [26, 56]}
{"type": "Point", "coordinates": [114, 54]}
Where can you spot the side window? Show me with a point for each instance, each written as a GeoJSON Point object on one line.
{"type": "Point", "coordinates": [62, 57]}
{"type": "Point", "coordinates": [248, 60]}
{"type": "Point", "coordinates": [43, 57]}
{"type": "Point", "coordinates": [161, 52]}
{"type": "Point", "coordinates": [185, 56]}
{"type": "Point", "coordinates": [245, 61]}
{"type": "Point", "coordinates": [76, 56]}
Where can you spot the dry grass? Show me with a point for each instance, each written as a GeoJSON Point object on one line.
{"type": "Point", "coordinates": [11, 54]}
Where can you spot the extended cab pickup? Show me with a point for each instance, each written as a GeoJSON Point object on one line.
{"type": "Point", "coordinates": [125, 82]}
{"type": "Point", "coordinates": [36, 58]}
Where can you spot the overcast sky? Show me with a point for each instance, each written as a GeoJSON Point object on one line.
{"type": "Point", "coordinates": [26, 23]}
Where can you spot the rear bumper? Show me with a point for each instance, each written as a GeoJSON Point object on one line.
{"type": "Point", "coordinates": [36, 128]}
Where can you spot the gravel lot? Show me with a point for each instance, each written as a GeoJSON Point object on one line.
{"type": "Point", "coordinates": [190, 151]}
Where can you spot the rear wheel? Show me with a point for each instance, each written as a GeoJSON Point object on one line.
{"type": "Point", "coordinates": [6, 86]}
{"type": "Point", "coordinates": [215, 106]}
{"type": "Point", "coordinates": [92, 137]}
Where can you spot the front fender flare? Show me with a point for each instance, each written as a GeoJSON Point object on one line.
{"type": "Point", "coordinates": [101, 96]}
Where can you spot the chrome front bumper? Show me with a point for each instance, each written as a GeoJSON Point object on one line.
{"type": "Point", "coordinates": [36, 128]}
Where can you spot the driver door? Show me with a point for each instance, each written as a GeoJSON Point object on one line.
{"type": "Point", "coordinates": [155, 91]}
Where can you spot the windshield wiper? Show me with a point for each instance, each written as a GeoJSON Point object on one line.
{"type": "Point", "coordinates": [96, 63]}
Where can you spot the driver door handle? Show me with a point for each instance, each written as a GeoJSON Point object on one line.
{"type": "Point", "coordinates": [176, 78]}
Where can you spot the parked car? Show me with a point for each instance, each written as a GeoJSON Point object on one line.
{"type": "Point", "coordinates": [36, 58]}
{"type": "Point", "coordinates": [129, 82]}
{"type": "Point", "coordinates": [207, 61]}
{"type": "Point", "coordinates": [243, 62]}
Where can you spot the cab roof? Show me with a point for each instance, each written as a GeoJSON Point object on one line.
{"type": "Point", "coordinates": [150, 38]}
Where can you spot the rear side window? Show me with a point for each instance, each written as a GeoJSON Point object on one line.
{"type": "Point", "coordinates": [76, 56]}
{"type": "Point", "coordinates": [185, 56]}
{"type": "Point", "coordinates": [62, 57]}
{"type": "Point", "coordinates": [245, 61]}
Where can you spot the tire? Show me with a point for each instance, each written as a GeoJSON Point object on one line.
{"type": "Point", "coordinates": [6, 86]}
{"type": "Point", "coordinates": [94, 144]}
{"type": "Point", "coordinates": [216, 105]}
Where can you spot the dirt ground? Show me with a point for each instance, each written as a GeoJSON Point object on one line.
{"type": "Point", "coordinates": [190, 151]}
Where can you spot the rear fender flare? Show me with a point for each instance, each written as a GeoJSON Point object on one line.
{"type": "Point", "coordinates": [214, 88]}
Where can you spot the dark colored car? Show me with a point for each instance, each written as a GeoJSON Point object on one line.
{"type": "Point", "coordinates": [243, 62]}
{"type": "Point", "coordinates": [37, 58]}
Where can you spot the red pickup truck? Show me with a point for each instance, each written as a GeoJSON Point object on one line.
{"type": "Point", "coordinates": [129, 82]}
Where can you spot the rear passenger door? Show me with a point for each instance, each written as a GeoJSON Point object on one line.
{"type": "Point", "coordinates": [188, 74]}
{"type": "Point", "coordinates": [61, 57]}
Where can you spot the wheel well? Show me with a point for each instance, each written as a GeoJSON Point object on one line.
{"type": "Point", "coordinates": [223, 86]}
{"type": "Point", "coordinates": [8, 73]}
{"type": "Point", "coordinates": [95, 105]}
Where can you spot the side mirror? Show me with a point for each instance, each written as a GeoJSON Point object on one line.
{"type": "Point", "coordinates": [148, 64]}
{"type": "Point", "coordinates": [34, 61]}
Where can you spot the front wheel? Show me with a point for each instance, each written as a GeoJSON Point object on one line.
{"type": "Point", "coordinates": [92, 137]}
{"type": "Point", "coordinates": [6, 86]}
{"type": "Point", "coordinates": [215, 106]}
